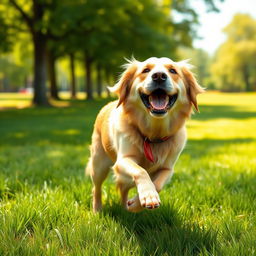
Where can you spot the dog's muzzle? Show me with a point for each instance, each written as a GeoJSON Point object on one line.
{"type": "Point", "coordinates": [158, 101]}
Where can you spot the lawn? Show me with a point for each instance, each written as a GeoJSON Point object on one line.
{"type": "Point", "coordinates": [45, 199]}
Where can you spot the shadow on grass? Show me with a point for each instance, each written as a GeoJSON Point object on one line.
{"type": "Point", "coordinates": [71, 125]}
{"type": "Point", "coordinates": [222, 111]}
{"type": "Point", "coordinates": [201, 147]}
{"type": "Point", "coordinates": [167, 231]}
{"type": "Point", "coordinates": [241, 184]}
{"type": "Point", "coordinates": [164, 232]}
{"type": "Point", "coordinates": [50, 162]}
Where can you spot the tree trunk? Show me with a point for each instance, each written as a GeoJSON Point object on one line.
{"type": "Point", "coordinates": [99, 80]}
{"type": "Point", "coordinates": [246, 76]}
{"type": "Point", "coordinates": [73, 78]}
{"type": "Point", "coordinates": [107, 75]}
{"type": "Point", "coordinates": [88, 78]}
{"type": "Point", "coordinates": [1, 85]}
{"type": "Point", "coordinates": [52, 75]}
{"type": "Point", "coordinates": [39, 83]}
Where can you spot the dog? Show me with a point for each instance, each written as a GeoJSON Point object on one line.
{"type": "Point", "coordinates": [142, 134]}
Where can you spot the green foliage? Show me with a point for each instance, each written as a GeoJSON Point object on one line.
{"type": "Point", "coordinates": [5, 43]}
{"type": "Point", "coordinates": [235, 62]}
{"type": "Point", "coordinates": [15, 67]}
{"type": "Point", "coordinates": [106, 31]}
{"type": "Point", "coordinates": [109, 30]}
{"type": "Point", "coordinates": [14, 72]}
{"type": "Point", "coordinates": [200, 61]}
{"type": "Point", "coordinates": [207, 209]}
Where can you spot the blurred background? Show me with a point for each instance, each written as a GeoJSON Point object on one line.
{"type": "Point", "coordinates": [54, 49]}
{"type": "Point", "coordinates": [64, 53]}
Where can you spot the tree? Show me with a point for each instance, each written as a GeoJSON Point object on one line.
{"type": "Point", "coordinates": [5, 46]}
{"type": "Point", "coordinates": [102, 31]}
{"type": "Point", "coordinates": [38, 16]}
{"type": "Point", "coordinates": [5, 37]}
{"type": "Point", "coordinates": [32, 14]}
{"type": "Point", "coordinates": [132, 27]}
{"type": "Point", "coordinates": [72, 75]}
{"type": "Point", "coordinates": [51, 64]}
{"type": "Point", "coordinates": [201, 63]}
{"type": "Point", "coordinates": [235, 61]}
{"type": "Point", "coordinates": [15, 63]}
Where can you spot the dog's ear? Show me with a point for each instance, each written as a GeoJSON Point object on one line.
{"type": "Point", "coordinates": [192, 86]}
{"type": "Point", "coordinates": [123, 86]}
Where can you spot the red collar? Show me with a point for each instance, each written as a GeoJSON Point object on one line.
{"type": "Point", "coordinates": [147, 148]}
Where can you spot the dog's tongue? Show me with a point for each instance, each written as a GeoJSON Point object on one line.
{"type": "Point", "coordinates": [159, 102]}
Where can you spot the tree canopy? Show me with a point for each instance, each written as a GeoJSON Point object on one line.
{"type": "Point", "coordinates": [234, 67]}
{"type": "Point", "coordinates": [97, 32]}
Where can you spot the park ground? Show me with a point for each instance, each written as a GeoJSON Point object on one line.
{"type": "Point", "coordinates": [45, 199]}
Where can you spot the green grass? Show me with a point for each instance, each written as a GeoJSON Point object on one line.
{"type": "Point", "coordinates": [207, 209]}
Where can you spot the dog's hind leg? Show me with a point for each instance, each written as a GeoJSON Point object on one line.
{"type": "Point", "coordinates": [98, 168]}
{"type": "Point", "coordinates": [124, 189]}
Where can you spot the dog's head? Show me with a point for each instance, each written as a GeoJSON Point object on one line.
{"type": "Point", "coordinates": [157, 85]}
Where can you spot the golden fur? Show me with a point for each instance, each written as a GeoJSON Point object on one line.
{"type": "Point", "coordinates": [122, 125]}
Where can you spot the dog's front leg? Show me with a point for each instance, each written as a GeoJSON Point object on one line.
{"type": "Point", "coordinates": [127, 166]}
{"type": "Point", "coordinates": [159, 179]}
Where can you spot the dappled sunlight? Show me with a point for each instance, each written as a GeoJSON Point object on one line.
{"type": "Point", "coordinates": [14, 103]}
{"type": "Point", "coordinates": [58, 60]}
{"type": "Point", "coordinates": [19, 135]}
{"type": "Point", "coordinates": [228, 99]}
{"type": "Point", "coordinates": [224, 116]}
{"type": "Point", "coordinates": [222, 129]}
{"type": "Point", "coordinates": [54, 153]}
{"type": "Point", "coordinates": [44, 152]}
{"type": "Point", "coordinates": [66, 95]}
{"type": "Point", "coordinates": [57, 103]}
{"type": "Point", "coordinates": [20, 101]}
{"type": "Point", "coordinates": [222, 111]}
{"type": "Point", "coordinates": [67, 132]}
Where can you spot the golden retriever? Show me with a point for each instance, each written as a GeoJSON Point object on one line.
{"type": "Point", "coordinates": [143, 133]}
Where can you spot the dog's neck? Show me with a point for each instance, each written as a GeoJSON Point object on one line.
{"type": "Point", "coordinates": [151, 127]}
{"type": "Point", "coordinates": [155, 132]}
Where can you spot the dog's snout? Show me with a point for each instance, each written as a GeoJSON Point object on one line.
{"type": "Point", "coordinates": [159, 77]}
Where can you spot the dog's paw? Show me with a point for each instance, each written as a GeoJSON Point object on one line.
{"type": "Point", "coordinates": [97, 207]}
{"type": "Point", "coordinates": [149, 199]}
{"type": "Point", "coordinates": [133, 205]}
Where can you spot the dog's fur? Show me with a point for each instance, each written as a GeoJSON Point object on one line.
{"type": "Point", "coordinates": [121, 127]}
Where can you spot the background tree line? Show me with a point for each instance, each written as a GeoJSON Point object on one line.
{"type": "Point", "coordinates": [233, 66]}
{"type": "Point", "coordinates": [92, 38]}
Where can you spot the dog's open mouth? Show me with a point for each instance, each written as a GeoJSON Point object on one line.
{"type": "Point", "coordinates": [158, 102]}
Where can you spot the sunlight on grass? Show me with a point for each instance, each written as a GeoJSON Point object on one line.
{"type": "Point", "coordinates": [67, 132]}
{"type": "Point", "coordinates": [45, 200]}
{"type": "Point", "coordinates": [24, 100]}
{"type": "Point", "coordinates": [15, 100]}
{"type": "Point", "coordinates": [228, 99]}
{"type": "Point", "coordinates": [222, 129]}
{"type": "Point", "coordinates": [54, 153]}
{"type": "Point", "coordinates": [233, 117]}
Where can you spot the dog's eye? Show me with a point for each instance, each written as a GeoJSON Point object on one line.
{"type": "Point", "coordinates": [146, 70]}
{"type": "Point", "coordinates": [173, 71]}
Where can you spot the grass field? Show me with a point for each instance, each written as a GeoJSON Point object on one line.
{"type": "Point", "coordinates": [45, 200]}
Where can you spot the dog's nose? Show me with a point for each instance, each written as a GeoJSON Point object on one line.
{"type": "Point", "coordinates": [159, 77]}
